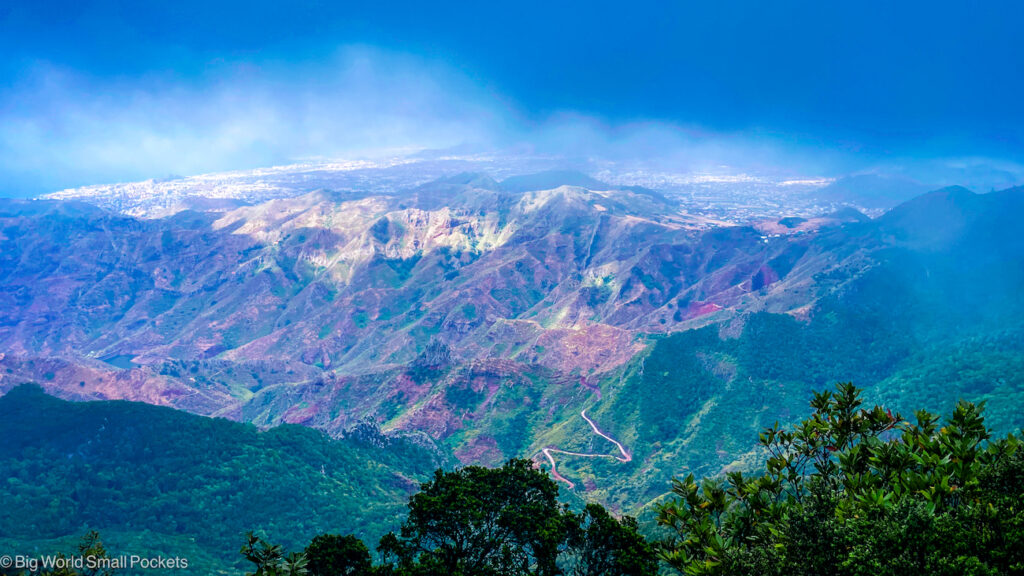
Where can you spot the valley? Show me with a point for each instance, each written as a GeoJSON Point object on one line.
{"type": "Point", "coordinates": [484, 317]}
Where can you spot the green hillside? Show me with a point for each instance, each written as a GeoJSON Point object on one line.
{"type": "Point", "coordinates": [153, 479]}
{"type": "Point", "coordinates": [938, 318]}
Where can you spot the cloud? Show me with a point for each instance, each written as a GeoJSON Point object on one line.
{"type": "Point", "coordinates": [59, 128]}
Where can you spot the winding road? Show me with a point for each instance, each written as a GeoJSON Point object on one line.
{"type": "Point", "coordinates": [625, 455]}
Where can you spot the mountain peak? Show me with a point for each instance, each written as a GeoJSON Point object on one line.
{"type": "Point", "coordinates": [550, 179]}
{"type": "Point", "coordinates": [468, 179]}
{"type": "Point", "coordinates": [943, 199]}
{"type": "Point", "coordinates": [935, 218]}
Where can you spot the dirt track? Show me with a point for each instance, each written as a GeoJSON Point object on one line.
{"type": "Point", "coordinates": [625, 455]}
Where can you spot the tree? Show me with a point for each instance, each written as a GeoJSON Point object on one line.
{"type": "Point", "coordinates": [600, 545]}
{"type": "Point", "coordinates": [90, 546]}
{"type": "Point", "coordinates": [858, 491]}
{"type": "Point", "coordinates": [477, 521]}
{"type": "Point", "coordinates": [270, 560]}
{"type": "Point", "coordinates": [335, 555]}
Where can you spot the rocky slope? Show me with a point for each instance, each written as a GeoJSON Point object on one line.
{"type": "Point", "coordinates": [562, 278]}
{"type": "Point", "coordinates": [489, 314]}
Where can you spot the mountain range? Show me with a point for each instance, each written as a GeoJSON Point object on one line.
{"type": "Point", "coordinates": [604, 330]}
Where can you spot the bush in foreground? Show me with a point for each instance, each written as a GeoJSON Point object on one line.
{"type": "Point", "coordinates": [858, 491]}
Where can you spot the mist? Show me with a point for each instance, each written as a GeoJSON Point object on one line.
{"type": "Point", "coordinates": [60, 128]}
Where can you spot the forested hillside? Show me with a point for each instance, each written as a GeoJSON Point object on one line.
{"type": "Point", "coordinates": [852, 489]}
{"type": "Point", "coordinates": [934, 318]}
{"type": "Point", "coordinates": [153, 479]}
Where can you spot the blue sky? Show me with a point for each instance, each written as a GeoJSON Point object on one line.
{"type": "Point", "coordinates": [104, 91]}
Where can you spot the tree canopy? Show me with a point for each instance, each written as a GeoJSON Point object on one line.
{"type": "Point", "coordinates": [855, 490]}
{"type": "Point", "coordinates": [477, 521]}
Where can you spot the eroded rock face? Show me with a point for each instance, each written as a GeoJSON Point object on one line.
{"type": "Point", "coordinates": [325, 308]}
{"type": "Point", "coordinates": [354, 284]}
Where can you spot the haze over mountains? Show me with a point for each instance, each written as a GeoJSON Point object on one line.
{"type": "Point", "coordinates": [485, 310]}
{"type": "Point", "coordinates": [732, 193]}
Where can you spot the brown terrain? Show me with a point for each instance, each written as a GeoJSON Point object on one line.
{"type": "Point", "coordinates": [428, 311]}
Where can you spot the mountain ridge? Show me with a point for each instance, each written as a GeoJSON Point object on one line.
{"type": "Point", "coordinates": [489, 319]}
